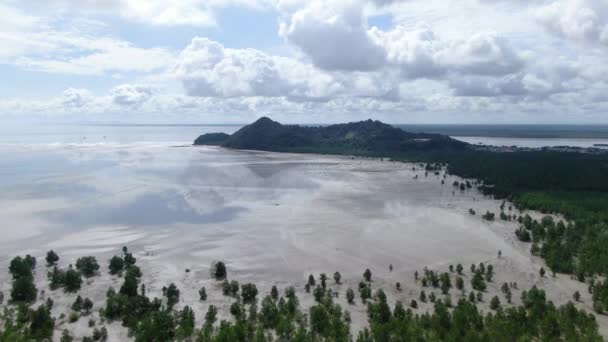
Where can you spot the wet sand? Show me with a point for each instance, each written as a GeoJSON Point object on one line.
{"type": "Point", "coordinates": [273, 218]}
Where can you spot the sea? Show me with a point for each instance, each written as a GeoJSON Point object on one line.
{"type": "Point", "coordinates": [534, 136]}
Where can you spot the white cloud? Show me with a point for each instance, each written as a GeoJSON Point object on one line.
{"type": "Point", "coordinates": [152, 12]}
{"type": "Point", "coordinates": [423, 60]}
{"type": "Point", "coordinates": [207, 68]}
{"type": "Point", "coordinates": [414, 107]}
{"type": "Point", "coordinates": [334, 36]}
{"type": "Point", "coordinates": [481, 54]}
{"type": "Point", "coordinates": [415, 52]}
{"type": "Point", "coordinates": [93, 56]}
{"type": "Point", "coordinates": [421, 53]}
{"type": "Point", "coordinates": [12, 19]}
{"type": "Point", "coordinates": [518, 85]}
{"type": "Point", "coordinates": [75, 98]}
{"type": "Point", "coordinates": [168, 12]}
{"type": "Point", "coordinates": [131, 94]}
{"type": "Point", "coordinates": [37, 45]}
{"type": "Point", "coordinates": [583, 21]}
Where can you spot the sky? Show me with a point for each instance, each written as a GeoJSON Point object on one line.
{"type": "Point", "coordinates": [304, 61]}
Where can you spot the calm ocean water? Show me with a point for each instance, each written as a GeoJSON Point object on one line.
{"type": "Point", "coordinates": [106, 134]}
{"type": "Point", "coordinates": [521, 135]}
{"type": "Point", "coordinates": [515, 131]}
{"type": "Point", "coordinates": [499, 135]}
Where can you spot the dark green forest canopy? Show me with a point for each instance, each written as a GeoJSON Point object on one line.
{"type": "Point", "coordinates": [364, 137]}
{"type": "Point", "coordinates": [212, 139]}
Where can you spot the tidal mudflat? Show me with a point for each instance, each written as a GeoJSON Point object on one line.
{"type": "Point", "coordinates": [273, 218]}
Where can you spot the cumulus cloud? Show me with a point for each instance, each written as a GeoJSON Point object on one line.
{"type": "Point", "coordinates": [207, 68]}
{"type": "Point", "coordinates": [420, 53]}
{"type": "Point", "coordinates": [415, 51]}
{"type": "Point", "coordinates": [334, 36]}
{"type": "Point", "coordinates": [583, 21]}
{"type": "Point", "coordinates": [131, 94]}
{"type": "Point", "coordinates": [540, 81]}
{"type": "Point", "coordinates": [75, 98]}
{"type": "Point", "coordinates": [481, 54]}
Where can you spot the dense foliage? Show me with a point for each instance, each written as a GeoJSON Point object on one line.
{"type": "Point", "coordinates": [51, 258]}
{"type": "Point", "coordinates": [22, 270]}
{"type": "Point", "coordinates": [537, 319]}
{"type": "Point", "coordinates": [70, 280]}
{"type": "Point", "coordinates": [218, 270]}
{"type": "Point", "coordinates": [356, 137]}
{"type": "Point", "coordinates": [87, 265]}
{"type": "Point", "coordinates": [26, 324]}
{"type": "Point", "coordinates": [118, 263]}
{"type": "Point", "coordinates": [279, 317]}
{"type": "Point", "coordinates": [212, 139]}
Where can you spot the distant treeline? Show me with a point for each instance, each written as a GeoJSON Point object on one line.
{"type": "Point", "coordinates": [514, 131]}
{"type": "Point", "coordinates": [574, 185]}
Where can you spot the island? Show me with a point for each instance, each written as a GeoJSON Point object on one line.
{"type": "Point", "coordinates": [361, 138]}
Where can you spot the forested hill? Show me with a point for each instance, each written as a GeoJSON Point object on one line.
{"type": "Point", "coordinates": [363, 137]}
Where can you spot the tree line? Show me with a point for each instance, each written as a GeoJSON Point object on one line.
{"type": "Point", "coordinates": [278, 315]}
